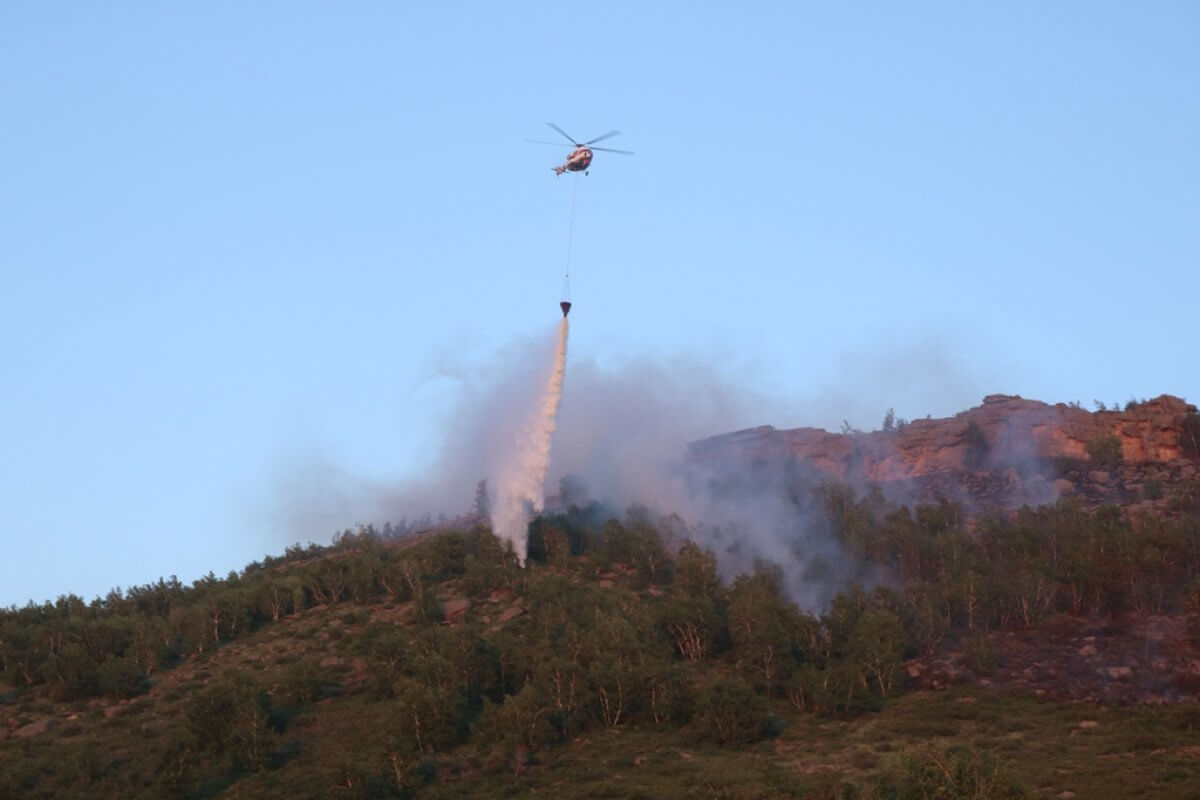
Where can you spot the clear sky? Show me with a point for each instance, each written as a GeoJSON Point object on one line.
{"type": "Point", "coordinates": [238, 236]}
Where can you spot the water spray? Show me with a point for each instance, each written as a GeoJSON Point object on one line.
{"type": "Point", "coordinates": [520, 492]}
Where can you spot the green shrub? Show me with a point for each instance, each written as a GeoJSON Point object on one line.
{"type": "Point", "coordinates": [729, 711]}
{"type": "Point", "coordinates": [957, 774]}
{"type": "Point", "coordinates": [981, 654]}
{"type": "Point", "coordinates": [306, 682]}
{"type": "Point", "coordinates": [121, 679]}
{"type": "Point", "coordinates": [1105, 451]}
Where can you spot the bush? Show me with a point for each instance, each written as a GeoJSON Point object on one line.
{"type": "Point", "coordinates": [958, 774]}
{"type": "Point", "coordinates": [981, 655]}
{"type": "Point", "coordinates": [1105, 451]}
{"type": "Point", "coordinates": [121, 679]}
{"type": "Point", "coordinates": [1152, 489]}
{"type": "Point", "coordinates": [306, 682]}
{"type": "Point", "coordinates": [729, 711]}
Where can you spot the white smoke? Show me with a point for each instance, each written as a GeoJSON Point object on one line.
{"type": "Point", "coordinates": [520, 486]}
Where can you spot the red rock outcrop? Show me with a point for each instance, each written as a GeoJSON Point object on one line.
{"type": "Point", "coordinates": [1024, 438]}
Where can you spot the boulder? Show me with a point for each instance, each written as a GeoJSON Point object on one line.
{"type": "Point", "coordinates": [1117, 673]}
{"type": "Point", "coordinates": [455, 608]}
{"type": "Point", "coordinates": [511, 613]}
{"type": "Point", "coordinates": [1061, 487]}
{"type": "Point", "coordinates": [34, 728]}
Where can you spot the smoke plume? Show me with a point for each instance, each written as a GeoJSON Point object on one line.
{"type": "Point", "coordinates": [520, 485]}
{"type": "Point", "coordinates": [623, 435]}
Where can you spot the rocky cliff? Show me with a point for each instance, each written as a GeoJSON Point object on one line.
{"type": "Point", "coordinates": [1008, 451]}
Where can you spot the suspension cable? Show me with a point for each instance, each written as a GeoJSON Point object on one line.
{"type": "Point", "coordinates": [571, 227]}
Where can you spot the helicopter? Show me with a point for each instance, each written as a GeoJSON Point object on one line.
{"type": "Point", "coordinates": [581, 157]}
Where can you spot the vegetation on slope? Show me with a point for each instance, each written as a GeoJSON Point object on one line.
{"type": "Point", "coordinates": [443, 669]}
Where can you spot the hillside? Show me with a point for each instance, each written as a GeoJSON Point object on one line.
{"type": "Point", "coordinates": [971, 648]}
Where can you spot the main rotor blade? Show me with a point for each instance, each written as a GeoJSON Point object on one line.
{"type": "Point", "coordinates": [552, 144]}
{"type": "Point", "coordinates": [610, 150]}
{"type": "Point", "coordinates": [564, 133]}
{"type": "Point", "coordinates": [608, 135]}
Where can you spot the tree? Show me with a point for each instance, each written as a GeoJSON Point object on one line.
{"type": "Point", "coordinates": [696, 572]}
{"type": "Point", "coordinates": [618, 542]}
{"type": "Point", "coordinates": [976, 445]}
{"type": "Point", "coordinates": [876, 649]}
{"type": "Point", "coordinates": [229, 717]}
{"type": "Point", "coordinates": [1189, 437]}
{"type": "Point", "coordinates": [693, 624]}
{"type": "Point", "coordinates": [483, 499]}
{"type": "Point", "coordinates": [764, 627]}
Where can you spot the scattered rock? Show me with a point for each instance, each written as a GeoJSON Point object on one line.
{"type": "Point", "coordinates": [511, 613]}
{"type": "Point", "coordinates": [330, 661]}
{"type": "Point", "coordinates": [454, 608]}
{"type": "Point", "coordinates": [1087, 724]}
{"type": "Point", "coordinates": [914, 670]}
{"type": "Point", "coordinates": [34, 728]}
{"type": "Point", "coordinates": [1087, 650]}
{"type": "Point", "coordinates": [1098, 476]}
{"type": "Point", "coordinates": [1066, 793]}
{"type": "Point", "coordinates": [500, 595]}
{"type": "Point", "coordinates": [1061, 487]}
{"type": "Point", "coordinates": [1118, 673]}
{"type": "Point", "coordinates": [605, 583]}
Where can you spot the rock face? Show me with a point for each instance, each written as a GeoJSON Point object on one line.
{"type": "Point", "coordinates": [1009, 443]}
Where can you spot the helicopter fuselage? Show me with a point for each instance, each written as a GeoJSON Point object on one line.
{"type": "Point", "coordinates": [578, 161]}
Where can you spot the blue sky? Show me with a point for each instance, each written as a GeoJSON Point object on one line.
{"type": "Point", "coordinates": [235, 237]}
